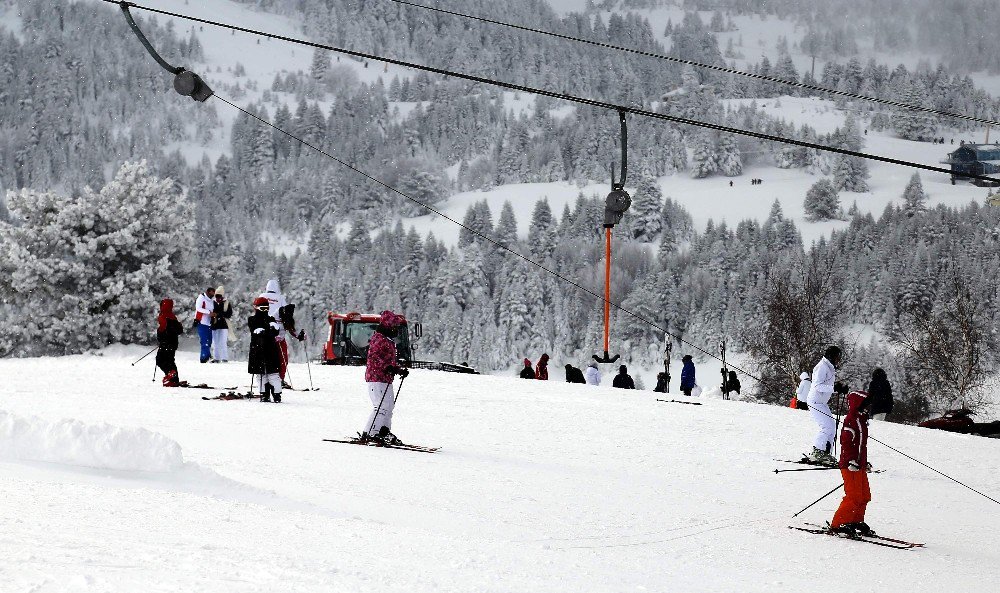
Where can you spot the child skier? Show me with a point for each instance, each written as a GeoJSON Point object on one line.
{"type": "Point", "coordinates": [687, 375]}
{"type": "Point", "coordinates": [854, 467]}
{"type": "Point", "coordinates": [542, 369]}
{"type": "Point", "coordinates": [265, 355]}
{"type": "Point", "coordinates": [381, 368]}
{"type": "Point", "coordinates": [168, 329]}
{"type": "Point", "coordinates": [527, 372]}
{"type": "Point", "coordinates": [592, 375]}
{"type": "Point", "coordinates": [276, 301]}
{"type": "Point", "coordinates": [799, 402]}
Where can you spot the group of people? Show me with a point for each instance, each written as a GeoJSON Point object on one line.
{"type": "Point", "coordinates": [589, 376]}
{"type": "Point", "coordinates": [273, 319]}
{"type": "Point", "coordinates": [874, 402]}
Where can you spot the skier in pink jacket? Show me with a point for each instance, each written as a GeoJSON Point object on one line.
{"type": "Point", "coordinates": [382, 367]}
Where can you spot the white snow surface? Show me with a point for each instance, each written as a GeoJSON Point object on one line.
{"type": "Point", "coordinates": [538, 487]}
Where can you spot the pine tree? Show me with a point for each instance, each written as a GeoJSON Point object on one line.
{"type": "Point", "coordinates": [822, 202]}
{"type": "Point", "coordinates": [542, 232]}
{"type": "Point", "coordinates": [704, 162]}
{"type": "Point", "coordinates": [914, 125]}
{"type": "Point", "coordinates": [647, 206]}
{"type": "Point", "coordinates": [914, 198]}
{"type": "Point", "coordinates": [91, 268]}
{"type": "Point", "coordinates": [730, 161]}
{"type": "Point", "coordinates": [506, 231]}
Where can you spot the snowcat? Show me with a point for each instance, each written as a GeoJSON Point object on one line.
{"type": "Point", "coordinates": [961, 421]}
{"type": "Point", "coordinates": [347, 343]}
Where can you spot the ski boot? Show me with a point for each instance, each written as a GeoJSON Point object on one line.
{"type": "Point", "coordinates": [848, 529]}
{"type": "Point", "coordinates": [864, 529]}
{"type": "Point", "coordinates": [387, 437]}
{"type": "Point", "coordinates": [277, 398]}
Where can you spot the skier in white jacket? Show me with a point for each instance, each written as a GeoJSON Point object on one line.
{"type": "Point", "coordinates": [802, 394]}
{"type": "Point", "coordinates": [592, 374]}
{"type": "Point", "coordinates": [823, 386]}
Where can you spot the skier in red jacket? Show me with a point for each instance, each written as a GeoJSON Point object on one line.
{"type": "Point", "coordinates": [850, 517]}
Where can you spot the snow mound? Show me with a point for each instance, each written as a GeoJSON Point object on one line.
{"type": "Point", "coordinates": [101, 446]}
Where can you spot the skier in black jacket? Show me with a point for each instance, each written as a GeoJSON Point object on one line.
{"type": "Point", "coordinates": [574, 375]}
{"type": "Point", "coordinates": [880, 395]}
{"type": "Point", "coordinates": [662, 382]}
{"type": "Point", "coordinates": [622, 379]}
{"type": "Point", "coordinates": [265, 355]}
{"type": "Point", "coordinates": [168, 329]}
{"type": "Point", "coordinates": [528, 372]}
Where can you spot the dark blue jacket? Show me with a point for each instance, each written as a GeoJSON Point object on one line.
{"type": "Point", "coordinates": [687, 375]}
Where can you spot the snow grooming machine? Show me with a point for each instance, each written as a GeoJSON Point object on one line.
{"type": "Point", "coordinates": [347, 343]}
{"type": "Point", "coordinates": [186, 83]}
{"type": "Point", "coordinates": [617, 203]}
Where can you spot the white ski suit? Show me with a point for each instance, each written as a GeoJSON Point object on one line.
{"type": "Point", "coordinates": [276, 300]}
{"type": "Point", "coordinates": [592, 376]}
{"type": "Point", "coordinates": [383, 401]}
{"type": "Point", "coordinates": [803, 392]}
{"type": "Point", "coordinates": [823, 379]}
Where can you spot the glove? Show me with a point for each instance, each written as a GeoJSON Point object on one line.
{"type": "Point", "coordinates": [839, 387]}
{"type": "Point", "coordinates": [301, 336]}
{"type": "Point", "coordinates": [258, 331]}
{"type": "Point", "coordinates": [853, 466]}
{"type": "Point", "coordinates": [403, 373]}
{"type": "Point", "coordinates": [868, 468]}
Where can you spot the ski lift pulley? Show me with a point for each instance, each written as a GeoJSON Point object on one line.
{"type": "Point", "coordinates": [186, 83]}
{"type": "Point", "coordinates": [617, 203]}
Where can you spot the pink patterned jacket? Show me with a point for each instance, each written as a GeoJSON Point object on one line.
{"type": "Point", "coordinates": [381, 356]}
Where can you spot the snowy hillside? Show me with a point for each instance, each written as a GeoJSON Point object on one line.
{"type": "Point", "coordinates": [538, 487]}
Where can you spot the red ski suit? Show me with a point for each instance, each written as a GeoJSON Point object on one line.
{"type": "Point", "coordinates": [854, 448]}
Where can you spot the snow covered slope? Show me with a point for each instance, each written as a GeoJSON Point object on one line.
{"type": "Point", "coordinates": [539, 487]}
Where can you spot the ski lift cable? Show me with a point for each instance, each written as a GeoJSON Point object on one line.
{"type": "Point", "coordinates": [724, 69]}
{"type": "Point", "coordinates": [571, 98]}
{"type": "Point", "coordinates": [209, 94]}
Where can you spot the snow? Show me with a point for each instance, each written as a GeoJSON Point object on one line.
{"type": "Point", "coordinates": [11, 21]}
{"type": "Point", "coordinates": [538, 487]}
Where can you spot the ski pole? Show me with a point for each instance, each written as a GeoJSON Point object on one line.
{"type": "Point", "coordinates": [836, 429]}
{"type": "Point", "coordinates": [154, 372]}
{"type": "Point", "coordinates": [818, 499]}
{"type": "Point", "coordinates": [309, 370]}
{"type": "Point", "coordinates": [145, 355]}
{"type": "Point", "coordinates": [379, 408]}
{"type": "Point", "coordinates": [398, 389]}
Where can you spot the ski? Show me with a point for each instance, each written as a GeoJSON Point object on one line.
{"type": "Point", "coordinates": [805, 461]}
{"type": "Point", "coordinates": [819, 469]}
{"type": "Point", "coordinates": [878, 540]}
{"type": "Point", "coordinates": [674, 401]}
{"type": "Point", "coordinates": [230, 395]}
{"type": "Point", "coordinates": [880, 537]}
{"type": "Point", "coordinates": [204, 386]}
{"type": "Point", "coordinates": [417, 448]}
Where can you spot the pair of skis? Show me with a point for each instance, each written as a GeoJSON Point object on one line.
{"type": "Point", "coordinates": [677, 401]}
{"type": "Point", "coordinates": [816, 467]}
{"type": "Point", "coordinates": [878, 540]}
{"type": "Point", "coordinates": [377, 443]}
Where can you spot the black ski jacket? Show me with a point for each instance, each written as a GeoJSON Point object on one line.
{"type": "Point", "coordinates": [222, 313]}
{"type": "Point", "coordinates": [623, 382]}
{"type": "Point", "coordinates": [880, 392]}
{"type": "Point", "coordinates": [574, 375]}
{"type": "Point", "coordinates": [167, 339]}
{"type": "Point", "coordinates": [265, 356]}
{"type": "Point", "coordinates": [661, 383]}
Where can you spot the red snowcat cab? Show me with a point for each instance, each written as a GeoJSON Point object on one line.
{"type": "Point", "coordinates": [961, 421]}
{"type": "Point", "coordinates": [347, 343]}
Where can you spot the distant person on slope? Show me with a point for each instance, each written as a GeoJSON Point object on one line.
{"type": "Point", "coordinates": [880, 393]}
{"type": "Point", "coordinates": [381, 368]}
{"type": "Point", "coordinates": [823, 386]}
{"type": "Point", "coordinates": [799, 402]}
{"type": "Point", "coordinates": [265, 355]}
{"type": "Point", "coordinates": [542, 369]}
{"type": "Point", "coordinates": [204, 313]}
{"type": "Point", "coordinates": [662, 383]}
{"type": "Point", "coordinates": [168, 329]}
{"type": "Point", "coordinates": [574, 375]}
{"type": "Point", "coordinates": [623, 380]}
{"type": "Point", "coordinates": [592, 374]}
{"type": "Point", "coordinates": [220, 326]}
{"type": "Point", "coordinates": [687, 375]}
{"type": "Point", "coordinates": [527, 372]}
{"type": "Point", "coordinates": [276, 300]}
{"type": "Point", "coordinates": [854, 467]}
{"type": "Point", "coordinates": [733, 383]}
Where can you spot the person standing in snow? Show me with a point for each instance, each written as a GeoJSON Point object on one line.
{"type": "Point", "coordinates": [623, 380]}
{"type": "Point", "coordinates": [204, 313]}
{"type": "Point", "coordinates": [574, 375]}
{"type": "Point", "coordinates": [854, 467]}
{"type": "Point", "coordinates": [592, 375]}
{"type": "Point", "coordinates": [662, 383]}
{"type": "Point", "coordinates": [527, 372]}
{"type": "Point", "coordinates": [277, 310]}
{"type": "Point", "coordinates": [265, 355]}
{"type": "Point", "coordinates": [880, 392]}
{"type": "Point", "coordinates": [733, 383]}
{"type": "Point", "coordinates": [381, 368]}
{"type": "Point", "coordinates": [220, 326]}
{"type": "Point", "coordinates": [799, 402]}
{"type": "Point", "coordinates": [168, 329]}
{"type": "Point", "coordinates": [542, 369]}
{"type": "Point", "coordinates": [687, 375]}
{"type": "Point", "coordinates": [824, 384]}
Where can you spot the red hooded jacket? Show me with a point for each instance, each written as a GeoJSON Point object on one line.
{"type": "Point", "coordinates": [854, 435]}
{"type": "Point", "coordinates": [542, 370]}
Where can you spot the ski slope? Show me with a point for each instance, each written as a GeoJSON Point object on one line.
{"type": "Point", "coordinates": [113, 484]}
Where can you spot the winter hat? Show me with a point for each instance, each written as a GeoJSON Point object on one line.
{"type": "Point", "coordinates": [390, 319]}
{"type": "Point", "coordinates": [804, 376]}
{"type": "Point", "coordinates": [260, 302]}
{"type": "Point", "coordinates": [568, 366]}
{"type": "Point", "coordinates": [687, 357]}
{"type": "Point", "coordinates": [166, 312]}
{"type": "Point", "coordinates": [527, 362]}
{"type": "Point", "coordinates": [623, 369]}
{"type": "Point", "coordinates": [592, 365]}
{"type": "Point", "coordinates": [221, 290]}
{"type": "Point", "coordinates": [273, 286]}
